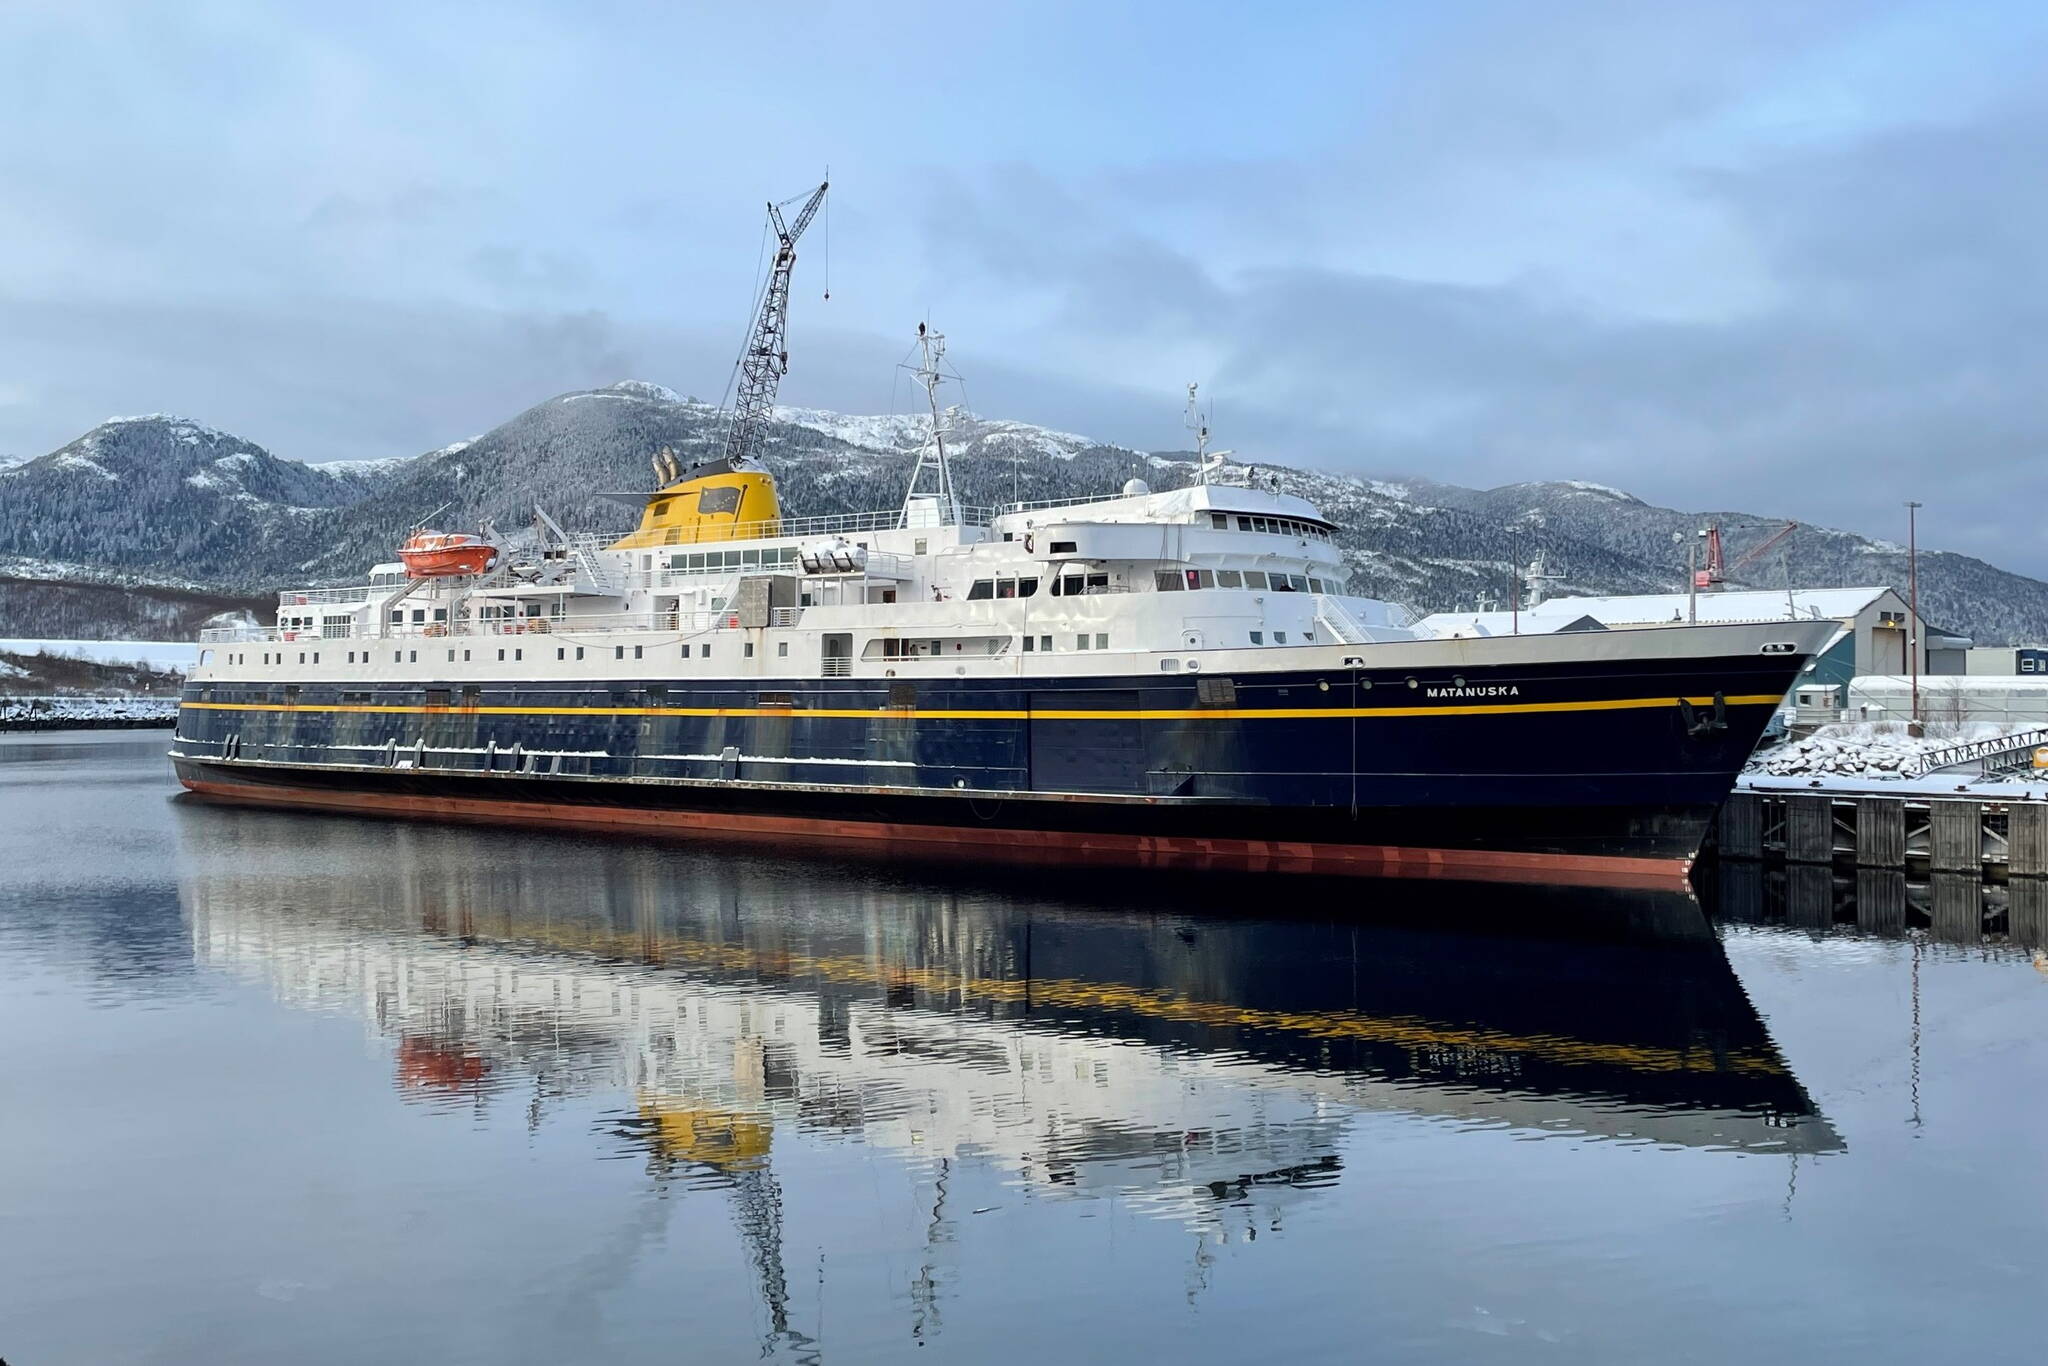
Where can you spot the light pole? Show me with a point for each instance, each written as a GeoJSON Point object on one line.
{"type": "Point", "coordinates": [1913, 604]}
{"type": "Point", "coordinates": [1515, 578]}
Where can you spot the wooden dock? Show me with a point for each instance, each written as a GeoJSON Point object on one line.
{"type": "Point", "coordinates": [1977, 836]}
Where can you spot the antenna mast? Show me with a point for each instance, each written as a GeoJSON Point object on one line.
{"type": "Point", "coordinates": [766, 358]}
{"type": "Point", "coordinates": [1199, 425]}
{"type": "Point", "coordinates": [931, 457]}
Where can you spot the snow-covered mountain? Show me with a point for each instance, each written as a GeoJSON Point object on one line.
{"type": "Point", "coordinates": [178, 503]}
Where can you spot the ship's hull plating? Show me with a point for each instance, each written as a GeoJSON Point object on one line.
{"type": "Point", "coordinates": [1609, 770]}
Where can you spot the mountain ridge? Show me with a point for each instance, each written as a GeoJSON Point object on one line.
{"type": "Point", "coordinates": [170, 500]}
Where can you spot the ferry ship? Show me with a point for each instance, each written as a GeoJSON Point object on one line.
{"type": "Point", "coordinates": [1170, 677]}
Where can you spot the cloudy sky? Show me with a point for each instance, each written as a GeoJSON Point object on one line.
{"type": "Point", "coordinates": [1785, 258]}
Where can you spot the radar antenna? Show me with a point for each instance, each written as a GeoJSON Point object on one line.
{"type": "Point", "coordinates": [1206, 460]}
{"type": "Point", "coordinates": [766, 358]}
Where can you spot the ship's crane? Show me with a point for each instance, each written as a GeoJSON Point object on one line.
{"type": "Point", "coordinates": [766, 358]}
{"type": "Point", "coordinates": [1717, 572]}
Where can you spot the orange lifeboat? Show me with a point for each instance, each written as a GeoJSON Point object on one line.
{"type": "Point", "coordinates": [441, 554]}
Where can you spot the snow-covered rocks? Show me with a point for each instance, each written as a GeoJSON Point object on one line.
{"type": "Point", "coordinates": [1877, 750]}
{"type": "Point", "coordinates": [64, 713]}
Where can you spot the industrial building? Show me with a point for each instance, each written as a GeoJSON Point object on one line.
{"type": "Point", "coordinates": [1873, 640]}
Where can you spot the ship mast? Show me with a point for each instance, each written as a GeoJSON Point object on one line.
{"type": "Point", "coordinates": [931, 458]}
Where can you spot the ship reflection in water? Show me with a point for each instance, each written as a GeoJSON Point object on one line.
{"type": "Point", "coordinates": [1091, 1038]}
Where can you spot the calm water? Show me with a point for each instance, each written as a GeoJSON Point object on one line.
{"type": "Point", "coordinates": [278, 1087]}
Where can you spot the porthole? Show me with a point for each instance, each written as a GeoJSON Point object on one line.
{"type": "Point", "coordinates": [1413, 684]}
{"type": "Point", "coordinates": [1457, 680]}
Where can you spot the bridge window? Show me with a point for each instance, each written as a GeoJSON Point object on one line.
{"type": "Point", "coordinates": [1219, 521]}
{"type": "Point", "coordinates": [1279, 637]}
{"type": "Point", "coordinates": [1229, 578]}
{"type": "Point", "coordinates": [981, 589]}
{"type": "Point", "coordinates": [1254, 578]}
{"type": "Point", "coordinates": [1258, 637]}
{"type": "Point", "coordinates": [1063, 547]}
{"type": "Point", "coordinates": [1167, 580]}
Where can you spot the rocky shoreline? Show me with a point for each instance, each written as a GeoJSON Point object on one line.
{"type": "Point", "coordinates": [87, 713]}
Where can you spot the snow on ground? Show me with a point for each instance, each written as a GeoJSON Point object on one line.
{"type": "Point", "coordinates": [1867, 750]}
{"type": "Point", "coordinates": [158, 654]}
{"type": "Point", "coordinates": [53, 713]}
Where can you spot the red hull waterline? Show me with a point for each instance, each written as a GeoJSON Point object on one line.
{"type": "Point", "coordinates": [1028, 846]}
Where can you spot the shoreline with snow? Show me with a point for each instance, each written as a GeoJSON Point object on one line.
{"type": "Point", "coordinates": [88, 713]}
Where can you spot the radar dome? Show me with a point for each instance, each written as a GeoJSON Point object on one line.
{"type": "Point", "coordinates": [1134, 487]}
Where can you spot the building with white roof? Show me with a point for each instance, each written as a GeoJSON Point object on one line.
{"type": "Point", "coordinates": [1874, 622]}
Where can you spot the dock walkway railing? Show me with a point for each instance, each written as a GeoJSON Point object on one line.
{"type": "Point", "coordinates": [1995, 753]}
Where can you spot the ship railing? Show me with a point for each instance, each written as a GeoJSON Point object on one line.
{"type": "Point", "coordinates": [312, 597]}
{"type": "Point", "coordinates": [798, 528]}
{"type": "Point", "coordinates": [836, 666]}
{"type": "Point", "coordinates": [785, 616]}
{"type": "Point", "coordinates": [1334, 617]}
{"type": "Point", "coordinates": [238, 635]}
{"type": "Point", "coordinates": [1036, 504]}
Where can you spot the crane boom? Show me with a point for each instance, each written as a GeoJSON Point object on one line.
{"type": "Point", "coordinates": [1762, 548]}
{"type": "Point", "coordinates": [766, 358]}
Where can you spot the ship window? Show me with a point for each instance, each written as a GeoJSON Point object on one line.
{"type": "Point", "coordinates": [440, 614]}
{"type": "Point", "coordinates": [561, 653]}
{"type": "Point", "coordinates": [981, 588]}
{"type": "Point", "coordinates": [419, 614]}
{"type": "Point", "coordinates": [465, 656]}
{"type": "Point", "coordinates": [747, 650]}
{"type": "Point", "coordinates": [518, 655]}
{"type": "Point", "coordinates": [1006, 588]}
{"type": "Point", "coordinates": [1258, 637]}
{"type": "Point", "coordinates": [1027, 588]}
{"type": "Point", "coordinates": [618, 652]}
{"type": "Point", "coordinates": [705, 649]}
{"type": "Point", "coordinates": [637, 651]}
{"type": "Point", "coordinates": [501, 656]}
{"type": "Point", "coordinates": [1219, 521]}
{"type": "Point", "coordinates": [1098, 581]}
{"type": "Point", "coordinates": [1229, 578]}
{"type": "Point", "coordinates": [1030, 643]}
{"type": "Point", "coordinates": [1102, 642]}
{"type": "Point", "coordinates": [1167, 580]}
{"type": "Point", "coordinates": [1194, 580]}
{"type": "Point", "coordinates": [579, 652]}
{"type": "Point", "coordinates": [1320, 585]}
{"type": "Point", "coordinates": [451, 656]}
{"type": "Point", "coordinates": [412, 656]}
{"type": "Point", "coordinates": [397, 618]}
{"type": "Point", "coordinates": [1080, 642]}
{"type": "Point", "coordinates": [1208, 578]}
{"type": "Point", "coordinates": [1279, 637]}
{"type": "Point", "coordinates": [782, 649]}
{"type": "Point", "coordinates": [1062, 547]}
